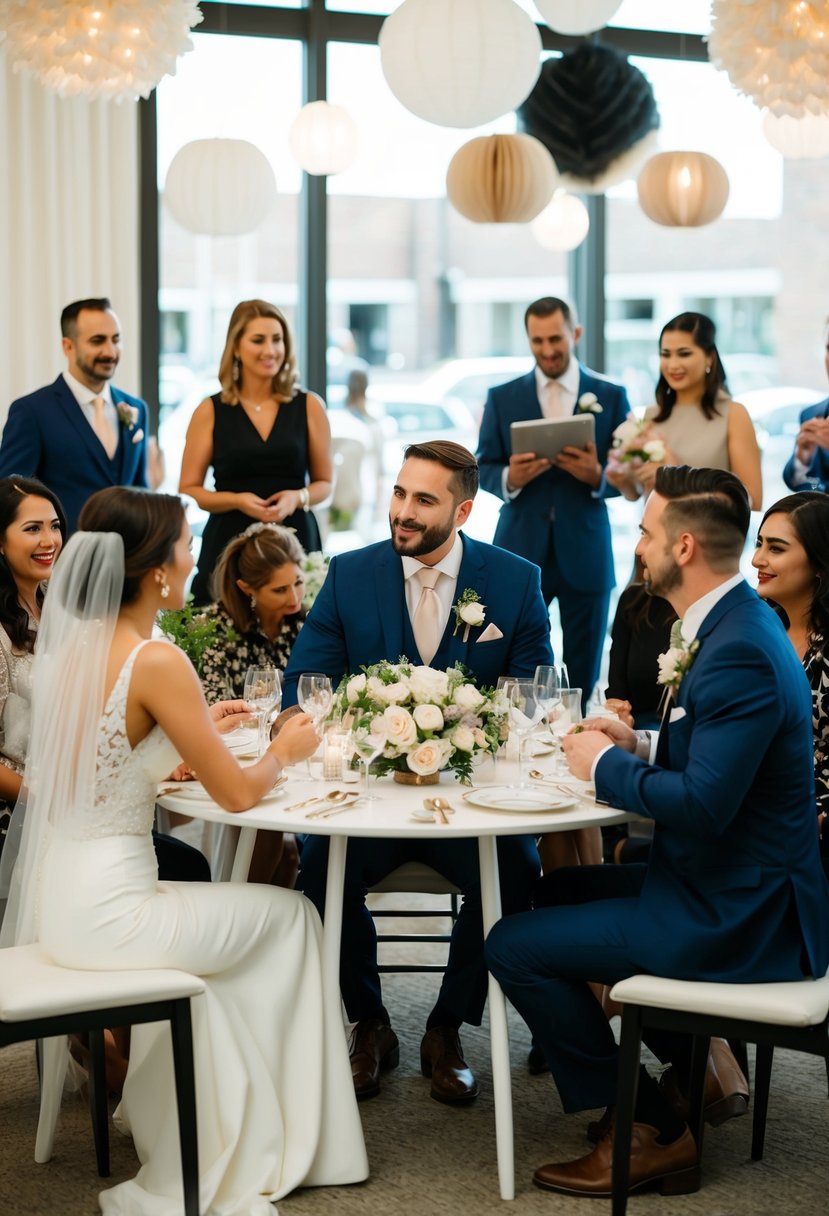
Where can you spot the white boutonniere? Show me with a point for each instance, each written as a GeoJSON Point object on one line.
{"type": "Point", "coordinates": [588, 403]}
{"type": "Point", "coordinates": [127, 414]}
{"type": "Point", "coordinates": [138, 436]}
{"type": "Point", "coordinates": [469, 612]}
{"type": "Point", "coordinates": [675, 663]}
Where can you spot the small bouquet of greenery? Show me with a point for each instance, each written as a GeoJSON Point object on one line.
{"type": "Point", "coordinates": [193, 630]}
{"type": "Point", "coordinates": [314, 568]}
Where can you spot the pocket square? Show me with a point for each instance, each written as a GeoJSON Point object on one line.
{"type": "Point", "coordinates": [677, 713]}
{"type": "Point", "coordinates": [491, 634]}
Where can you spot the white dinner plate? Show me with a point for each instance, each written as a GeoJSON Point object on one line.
{"type": "Point", "coordinates": [194, 791]}
{"type": "Point", "coordinates": [528, 801]}
{"type": "Point", "coordinates": [242, 742]}
{"type": "Point", "coordinates": [539, 747]}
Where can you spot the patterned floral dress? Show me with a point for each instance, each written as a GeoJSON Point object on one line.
{"type": "Point", "coordinates": [225, 663]}
{"type": "Point", "coordinates": [816, 665]}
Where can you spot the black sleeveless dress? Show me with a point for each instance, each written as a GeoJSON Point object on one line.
{"type": "Point", "coordinates": [243, 462]}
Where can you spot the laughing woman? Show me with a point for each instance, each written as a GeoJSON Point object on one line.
{"type": "Point", "coordinates": [792, 563]}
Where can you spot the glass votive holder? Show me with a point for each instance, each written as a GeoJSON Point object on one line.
{"type": "Point", "coordinates": [334, 754]}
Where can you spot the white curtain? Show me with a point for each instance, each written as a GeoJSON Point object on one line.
{"type": "Point", "coordinates": [68, 226]}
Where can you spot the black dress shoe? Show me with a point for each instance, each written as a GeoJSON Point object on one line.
{"type": "Point", "coordinates": [373, 1049]}
{"type": "Point", "coordinates": [536, 1062]}
{"type": "Point", "coordinates": [441, 1058]}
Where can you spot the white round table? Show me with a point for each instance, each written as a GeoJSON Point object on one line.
{"type": "Point", "coordinates": [391, 816]}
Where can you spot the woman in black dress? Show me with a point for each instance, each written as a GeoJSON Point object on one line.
{"type": "Point", "coordinates": [269, 443]}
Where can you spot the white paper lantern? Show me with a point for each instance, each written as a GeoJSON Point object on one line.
{"type": "Point", "coordinates": [683, 189]}
{"type": "Point", "coordinates": [805, 138]}
{"type": "Point", "coordinates": [460, 63]}
{"type": "Point", "coordinates": [501, 179]}
{"type": "Point", "coordinates": [324, 138]}
{"type": "Point", "coordinates": [563, 224]}
{"type": "Point", "coordinates": [774, 51]}
{"type": "Point", "coordinates": [220, 187]}
{"type": "Point", "coordinates": [114, 49]}
{"type": "Point", "coordinates": [577, 16]}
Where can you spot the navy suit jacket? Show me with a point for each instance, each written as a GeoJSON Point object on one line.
{"type": "Point", "coordinates": [360, 617]}
{"type": "Point", "coordinates": [818, 470]}
{"type": "Point", "coordinates": [48, 436]}
{"type": "Point", "coordinates": [555, 499]}
{"type": "Point", "coordinates": [735, 890]}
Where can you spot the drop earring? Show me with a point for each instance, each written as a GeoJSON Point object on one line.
{"type": "Point", "coordinates": [165, 587]}
{"type": "Point", "coordinates": [253, 603]}
{"type": "Point", "coordinates": [708, 369]}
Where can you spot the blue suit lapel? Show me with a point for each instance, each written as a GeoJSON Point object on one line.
{"type": "Point", "coordinates": [74, 417]}
{"type": "Point", "coordinates": [472, 574]}
{"type": "Point", "coordinates": [125, 436]}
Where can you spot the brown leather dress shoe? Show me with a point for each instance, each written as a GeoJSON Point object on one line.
{"type": "Point", "coordinates": [673, 1168]}
{"type": "Point", "coordinates": [441, 1058]}
{"type": "Point", "coordinates": [726, 1089]}
{"type": "Point", "coordinates": [373, 1049]}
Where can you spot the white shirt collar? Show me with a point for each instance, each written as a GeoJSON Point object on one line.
{"type": "Point", "coordinates": [82, 393]}
{"type": "Point", "coordinates": [696, 614]}
{"type": "Point", "coordinates": [569, 381]}
{"type": "Point", "coordinates": [451, 564]}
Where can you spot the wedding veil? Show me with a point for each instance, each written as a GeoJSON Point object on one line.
{"type": "Point", "coordinates": [68, 676]}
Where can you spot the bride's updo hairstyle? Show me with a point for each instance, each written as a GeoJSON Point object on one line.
{"type": "Point", "coordinates": [149, 524]}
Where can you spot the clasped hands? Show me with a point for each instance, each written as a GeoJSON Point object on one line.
{"type": "Point", "coordinates": [812, 435]}
{"type": "Point", "coordinates": [272, 510]}
{"type": "Point", "coordinates": [584, 742]}
{"type": "Point", "coordinates": [581, 463]}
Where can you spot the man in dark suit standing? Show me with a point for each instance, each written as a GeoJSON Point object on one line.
{"type": "Point", "coordinates": [734, 890]}
{"type": "Point", "coordinates": [554, 512]}
{"type": "Point", "coordinates": [80, 434]}
{"type": "Point", "coordinates": [370, 608]}
{"type": "Point", "coordinates": [808, 466]}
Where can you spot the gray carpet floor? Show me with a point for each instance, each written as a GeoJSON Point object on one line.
{"type": "Point", "coordinates": [433, 1160]}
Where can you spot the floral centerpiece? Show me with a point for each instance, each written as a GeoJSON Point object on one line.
{"type": "Point", "coordinates": [635, 444]}
{"type": "Point", "coordinates": [431, 720]}
{"type": "Point", "coordinates": [193, 631]}
{"type": "Point", "coordinates": [314, 568]}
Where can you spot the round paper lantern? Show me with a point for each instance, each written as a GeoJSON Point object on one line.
{"type": "Point", "coordinates": [220, 187]}
{"type": "Point", "coordinates": [323, 138]}
{"type": "Point", "coordinates": [563, 224]}
{"type": "Point", "coordinates": [805, 138]}
{"type": "Point", "coordinates": [577, 16]}
{"type": "Point", "coordinates": [683, 189]}
{"type": "Point", "coordinates": [115, 50]}
{"type": "Point", "coordinates": [777, 54]}
{"type": "Point", "coordinates": [501, 179]}
{"type": "Point", "coordinates": [460, 63]}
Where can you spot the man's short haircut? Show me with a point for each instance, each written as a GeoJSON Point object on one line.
{"type": "Point", "coordinates": [69, 316]}
{"type": "Point", "coordinates": [453, 456]}
{"type": "Point", "coordinates": [546, 306]}
{"type": "Point", "coordinates": [710, 503]}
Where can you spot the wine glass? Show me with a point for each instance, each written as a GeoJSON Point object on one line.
{"type": "Point", "coordinates": [263, 691]}
{"type": "Point", "coordinates": [367, 740]}
{"type": "Point", "coordinates": [315, 696]}
{"type": "Point", "coordinates": [525, 712]}
{"type": "Point", "coordinates": [566, 714]}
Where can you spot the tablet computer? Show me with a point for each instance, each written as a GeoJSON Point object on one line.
{"type": "Point", "coordinates": [547, 436]}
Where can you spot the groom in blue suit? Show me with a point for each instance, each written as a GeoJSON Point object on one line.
{"type": "Point", "coordinates": [554, 512]}
{"type": "Point", "coordinates": [734, 890]}
{"type": "Point", "coordinates": [363, 614]}
{"type": "Point", "coordinates": [80, 434]}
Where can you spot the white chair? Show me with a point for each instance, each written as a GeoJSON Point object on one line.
{"type": "Point", "coordinates": [792, 1015]}
{"type": "Point", "coordinates": [40, 1000]}
{"type": "Point", "coordinates": [415, 877]}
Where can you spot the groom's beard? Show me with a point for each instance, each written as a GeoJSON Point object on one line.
{"type": "Point", "coordinates": [426, 539]}
{"type": "Point", "coordinates": [663, 580]}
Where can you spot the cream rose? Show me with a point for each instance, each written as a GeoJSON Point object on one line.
{"type": "Point", "coordinates": [354, 687]}
{"type": "Point", "coordinates": [430, 757]}
{"type": "Point", "coordinates": [467, 697]}
{"type": "Point", "coordinates": [655, 449]}
{"type": "Point", "coordinates": [472, 613]}
{"type": "Point", "coordinates": [463, 738]}
{"type": "Point", "coordinates": [428, 717]}
{"type": "Point", "coordinates": [427, 684]}
{"type": "Point", "coordinates": [480, 737]}
{"type": "Point", "coordinates": [399, 726]}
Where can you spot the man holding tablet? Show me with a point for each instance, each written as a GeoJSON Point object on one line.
{"type": "Point", "coordinates": [554, 512]}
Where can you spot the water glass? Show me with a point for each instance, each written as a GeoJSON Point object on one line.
{"type": "Point", "coordinates": [566, 714]}
{"type": "Point", "coordinates": [263, 691]}
{"type": "Point", "coordinates": [368, 742]}
{"type": "Point", "coordinates": [525, 713]}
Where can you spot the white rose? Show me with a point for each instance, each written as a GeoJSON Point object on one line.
{"type": "Point", "coordinates": [429, 757]}
{"type": "Point", "coordinates": [472, 614]}
{"type": "Point", "coordinates": [427, 684]}
{"type": "Point", "coordinates": [354, 687]}
{"type": "Point", "coordinates": [667, 664]}
{"type": "Point", "coordinates": [627, 431]}
{"type": "Point", "coordinates": [375, 689]}
{"type": "Point", "coordinates": [399, 726]}
{"type": "Point", "coordinates": [655, 449]}
{"type": "Point", "coordinates": [468, 697]}
{"type": "Point", "coordinates": [395, 693]}
{"type": "Point", "coordinates": [428, 717]}
{"type": "Point", "coordinates": [480, 737]}
{"type": "Point", "coordinates": [589, 401]}
{"type": "Point", "coordinates": [463, 738]}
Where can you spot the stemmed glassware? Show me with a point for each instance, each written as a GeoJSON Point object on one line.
{"type": "Point", "coordinates": [547, 685]}
{"type": "Point", "coordinates": [367, 742]}
{"type": "Point", "coordinates": [525, 713]}
{"type": "Point", "coordinates": [315, 696]}
{"type": "Point", "coordinates": [566, 714]}
{"type": "Point", "coordinates": [263, 692]}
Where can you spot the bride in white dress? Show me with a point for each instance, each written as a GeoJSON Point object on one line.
{"type": "Point", "coordinates": [112, 714]}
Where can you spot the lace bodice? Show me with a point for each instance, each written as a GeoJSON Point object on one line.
{"type": "Point", "coordinates": [127, 777]}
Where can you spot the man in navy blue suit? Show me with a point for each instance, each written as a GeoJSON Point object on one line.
{"type": "Point", "coordinates": [80, 434]}
{"type": "Point", "coordinates": [808, 466]}
{"type": "Point", "coordinates": [365, 613]}
{"type": "Point", "coordinates": [734, 889]}
{"type": "Point", "coordinates": [554, 512]}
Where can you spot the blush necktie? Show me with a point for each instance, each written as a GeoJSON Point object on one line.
{"type": "Point", "coordinates": [427, 616]}
{"type": "Point", "coordinates": [102, 428]}
{"type": "Point", "coordinates": [552, 400]}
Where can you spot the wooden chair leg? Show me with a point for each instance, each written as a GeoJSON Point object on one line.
{"type": "Point", "coordinates": [98, 1105]}
{"type": "Point", "coordinates": [762, 1081]}
{"type": "Point", "coordinates": [630, 1048]}
{"type": "Point", "coordinates": [181, 1029]}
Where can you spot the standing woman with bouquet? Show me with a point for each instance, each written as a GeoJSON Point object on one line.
{"type": "Point", "coordinates": [269, 443]}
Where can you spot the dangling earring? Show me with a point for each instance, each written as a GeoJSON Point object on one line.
{"type": "Point", "coordinates": [252, 602]}
{"type": "Point", "coordinates": [236, 366]}
{"type": "Point", "coordinates": [708, 369]}
{"type": "Point", "coordinates": [165, 586]}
